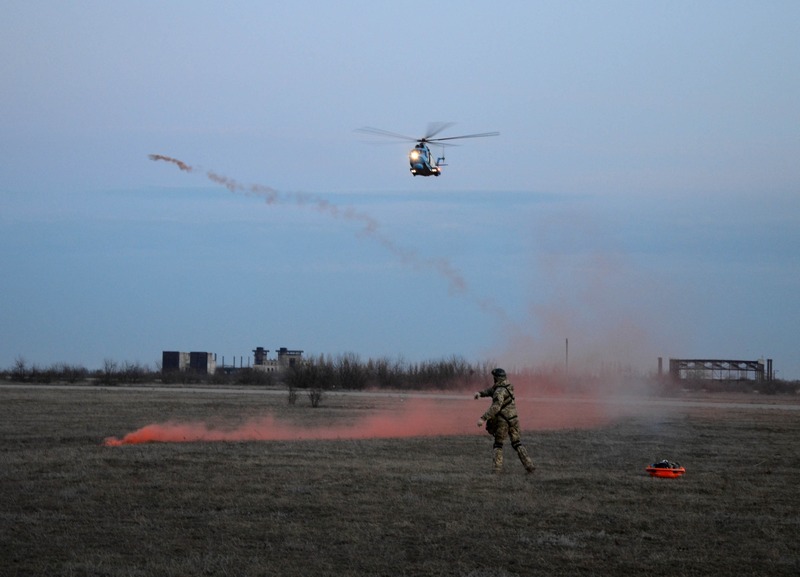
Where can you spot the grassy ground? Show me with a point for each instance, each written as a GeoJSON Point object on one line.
{"type": "Point", "coordinates": [417, 506]}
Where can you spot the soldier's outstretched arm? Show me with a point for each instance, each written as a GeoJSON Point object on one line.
{"type": "Point", "coordinates": [497, 404]}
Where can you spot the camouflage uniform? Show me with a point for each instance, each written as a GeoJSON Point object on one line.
{"type": "Point", "coordinates": [502, 420]}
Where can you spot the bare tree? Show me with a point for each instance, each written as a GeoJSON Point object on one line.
{"type": "Point", "coordinates": [20, 370]}
{"type": "Point", "coordinates": [108, 373]}
{"type": "Point", "coordinates": [315, 396]}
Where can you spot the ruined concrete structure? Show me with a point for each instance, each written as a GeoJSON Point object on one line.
{"type": "Point", "coordinates": [197, 362]}
{"type": "Point", "coordinates": [206, 363]}
{"type": "Point", "coordinates": [285, 358]}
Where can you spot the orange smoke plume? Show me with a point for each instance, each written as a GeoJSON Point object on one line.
{"type": "Point", "coordinates": [418, 417]}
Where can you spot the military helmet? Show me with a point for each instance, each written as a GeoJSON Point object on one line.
{"type": "Point", "coordinates": [499, 373]}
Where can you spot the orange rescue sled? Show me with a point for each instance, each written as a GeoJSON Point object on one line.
{"type": "Point", "coordinates": [666, 469]}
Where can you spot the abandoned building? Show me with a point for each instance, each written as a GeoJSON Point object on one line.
{"type": "Point", "coordinates": [196, 362]}
{"type": "Point", "coordinates": [719, 369]}
{"type": "Point", "coordinates": [206, 363]}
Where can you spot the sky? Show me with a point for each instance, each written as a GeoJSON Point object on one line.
{"type": "Point", "coordinates": [641, 200]}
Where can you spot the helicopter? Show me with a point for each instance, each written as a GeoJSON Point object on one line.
{"type": "Point", "coordinates": [420, 157]}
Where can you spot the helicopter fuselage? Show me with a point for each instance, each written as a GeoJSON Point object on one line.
{"type": "Point", "coordinates": [422, 163]}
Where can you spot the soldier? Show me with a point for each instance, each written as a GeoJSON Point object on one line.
{"type": "Point", "coordinates": [501, 420]}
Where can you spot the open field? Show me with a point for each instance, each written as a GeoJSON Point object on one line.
{"type": "Point", "coordinates": [420, 505]}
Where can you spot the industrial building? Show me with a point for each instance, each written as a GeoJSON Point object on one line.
{"type": "Point", "coordinates": [285, 358]}
{"type": "Point", "coordinates": [719, 369]}
{"type": "Point", "coordinates": [196, 362]}
{"type": "Point", "coordinates": [206, 363]}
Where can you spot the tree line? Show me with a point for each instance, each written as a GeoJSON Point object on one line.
{"type": "Point", "coordinates": [348, 371]}
{"type": "Point", "coordinates": [324, 372]}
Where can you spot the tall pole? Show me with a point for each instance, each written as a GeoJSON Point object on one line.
{"type": "Point", "coordinates": [566, 360]}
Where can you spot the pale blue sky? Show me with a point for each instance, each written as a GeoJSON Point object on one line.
{"type": "Point", "coordinates": [641, 200]}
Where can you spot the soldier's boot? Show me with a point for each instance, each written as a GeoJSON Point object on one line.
{"type": "Point", "coordinates": [497, 459]}
{"type": "Point", "coordinates": [526, 460]}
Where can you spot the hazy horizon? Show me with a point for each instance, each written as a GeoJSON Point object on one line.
{"type": "Point", "coordinates": [641, 199]}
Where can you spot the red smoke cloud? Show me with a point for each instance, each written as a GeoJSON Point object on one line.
{"type": "Point", "coordinates": [418, 417]}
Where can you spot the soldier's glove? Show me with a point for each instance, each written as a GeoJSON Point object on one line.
{"type": "Point", "coordinates": [477, 395]}
{"type": "Point", "coordinates": [481, 423]}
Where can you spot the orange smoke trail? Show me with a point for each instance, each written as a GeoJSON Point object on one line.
{"type": "Point", "coordinates": [418, 418]}
{"type": "Point", "coordinates": [457, 284]}
{"type": "Point", "coordinates": [456, 280]}
{"type": "Point", "coordinates": [182, 165]}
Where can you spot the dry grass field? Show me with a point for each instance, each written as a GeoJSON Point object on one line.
{"type": "Point", "coordinates": [415, 506]}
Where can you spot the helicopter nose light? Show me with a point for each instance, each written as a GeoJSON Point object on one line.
{"type": "Point", "coordinates": [414, 154]}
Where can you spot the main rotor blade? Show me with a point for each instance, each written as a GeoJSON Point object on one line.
{"type": "Point", "coordinates": [481, 135]}
{"type": "Point", "coordinates": [381, 132]}
{"type": "Point", "coordinates": [435, 128]}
